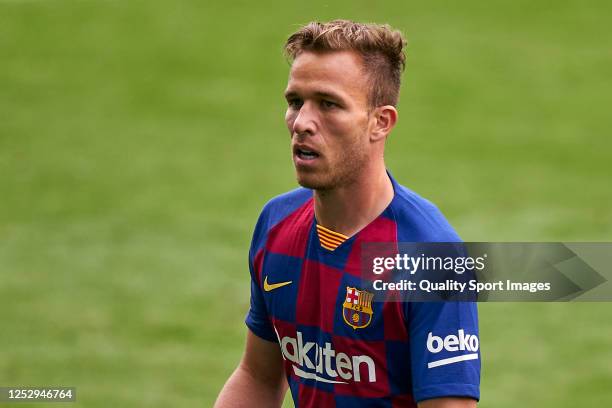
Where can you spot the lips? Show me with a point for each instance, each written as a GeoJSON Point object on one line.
{"type": "Point", "coordinates": [304, 152]}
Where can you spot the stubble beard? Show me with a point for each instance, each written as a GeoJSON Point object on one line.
{"type": "Point", "coordinates": [341, 172]}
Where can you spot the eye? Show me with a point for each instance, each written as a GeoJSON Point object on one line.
{"type": "Point", "coordinates": [328, 104]}
{"type": "Point", "coordinates": [295, 103]}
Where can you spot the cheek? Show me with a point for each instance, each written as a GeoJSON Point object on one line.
{"type": "Point", "coordinates": [349, 137]}
{"type": "Point", "coordinates": [344, 130]}
{"type": "Point", "coordinates": [290, 119]}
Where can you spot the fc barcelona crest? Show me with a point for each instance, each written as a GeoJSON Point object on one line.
{"type": "Point", "coordinates": [357, 308]}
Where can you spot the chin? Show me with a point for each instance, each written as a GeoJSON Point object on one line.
{"type": "Point", "coordinates": [312, 181]}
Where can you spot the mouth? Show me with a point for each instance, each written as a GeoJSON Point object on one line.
{"type": "Point", "coordinates": [304, 153]}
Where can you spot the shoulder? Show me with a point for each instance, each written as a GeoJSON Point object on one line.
{"type": "Point", "coordinates": [418, 219]}
{"type": "Point", "coordinates": [277, 209]}
{"type": "Point", "coordinates": [281, 206]}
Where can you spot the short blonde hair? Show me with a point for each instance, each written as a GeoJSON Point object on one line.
{"type": "Point", "coordinates": [380, 47]}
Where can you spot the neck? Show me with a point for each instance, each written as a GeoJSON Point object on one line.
{"type": "Point", "coordinates": [348, 209]}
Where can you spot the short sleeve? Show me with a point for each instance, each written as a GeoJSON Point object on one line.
{"type": "Point", "coordinates": [257, 319]}
{"type": "Point", "coordinates": [445, 349]}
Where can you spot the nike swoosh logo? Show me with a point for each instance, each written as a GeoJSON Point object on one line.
{"type": "Point", "coordinates": [268, 287]}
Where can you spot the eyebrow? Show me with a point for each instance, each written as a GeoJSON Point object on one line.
{"type": "Point", "coordinates": [290, 94]}
{"type": "Point", "coordinates": [319, 94]}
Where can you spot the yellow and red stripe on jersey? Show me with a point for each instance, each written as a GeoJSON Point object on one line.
{"type": "Point", "coordinates": [329, 239]}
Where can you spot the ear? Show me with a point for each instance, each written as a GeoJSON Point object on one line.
{"type": "Point", "coordinates": [384, 118]}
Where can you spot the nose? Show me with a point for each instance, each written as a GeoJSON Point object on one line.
{"type": "Point", "coordinates": [305, 120]}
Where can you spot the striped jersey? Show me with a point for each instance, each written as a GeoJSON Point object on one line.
{"type": "Point", "coordinates": [341, 346]}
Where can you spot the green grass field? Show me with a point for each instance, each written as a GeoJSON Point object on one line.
{"type": "Point", "coordinates": [140, 139]}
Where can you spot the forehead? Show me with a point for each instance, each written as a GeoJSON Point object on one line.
{"type": "Point", "coordinates": [339, 72]}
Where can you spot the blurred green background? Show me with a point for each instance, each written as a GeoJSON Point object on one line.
{"type": "Point", "coordinates": [140, 139]}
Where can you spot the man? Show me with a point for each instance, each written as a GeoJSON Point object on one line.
{"type": "Point", "coordinates": [342, 95]}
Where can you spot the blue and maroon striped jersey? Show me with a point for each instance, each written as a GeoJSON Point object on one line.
{"type": "Point", "coordinates": [341, 348]}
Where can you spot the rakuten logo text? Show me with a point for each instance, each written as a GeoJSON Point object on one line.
{"type": "Point", "coordinates": [324, 360]}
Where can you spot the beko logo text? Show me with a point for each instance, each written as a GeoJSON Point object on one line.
{"type": "Point", "coordinates": [453, 343]}
{"type": "Point", "coordinates": [321, 360]}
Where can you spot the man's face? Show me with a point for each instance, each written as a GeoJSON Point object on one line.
{"type": "Point", "coordinates": [327, 117]}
